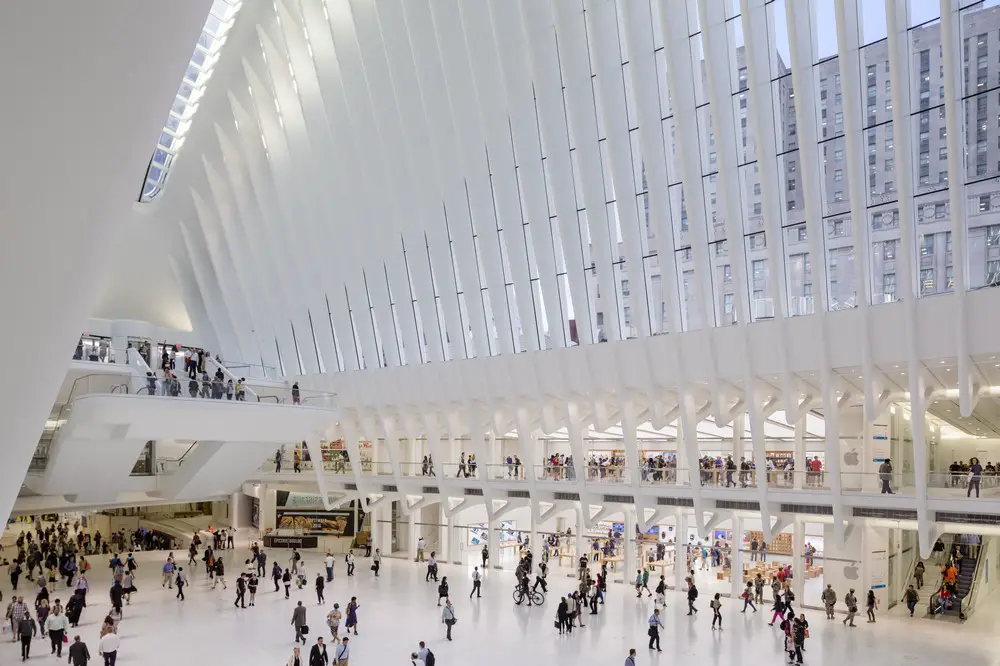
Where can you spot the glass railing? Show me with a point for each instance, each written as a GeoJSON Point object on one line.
{"type": "Point", "coordinates": [893, 483]}
{"type": "Point", "coordinates": [460, 471]}
{"type": "Point", "coordinates": [664, 476]}
{"type": "Point", "coordinates": [499, 471]}
{"type": "Point", "coordinates": [419, 468]}
{"type": "Point", "coordinates": [961, 484]}
{"type": "Point", "coordinates": [795, 480]}
{"type": "Point", "coordinates": [376, 468]}
{"type": "Point", "coordinates": [728, 478]}
{"type": "Point", "coordinates": [330, 466]}
{"type": "Point", "coordinates": [555, 473]}
{"type": "Point", "coordinates": [610, 474]}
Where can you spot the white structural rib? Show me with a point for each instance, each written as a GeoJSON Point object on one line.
{"type": "Point", "coordinates": [574, 59]}
{"type": "Point", "coordinates": [954, 113]}
{"type": "Point", "coordinates": [849, 54]}
{"type": "Point", "coordinates": [513, 50]}
{"type": "Point", "coordinates": [458, 73]}
{"type": "Point", "coordinates": [712, 15]}
{"type": "Point", "coordinates": [602, 21]}
{"type": "Point", "coordinates": [639, 38]}
{"type": "Point", "coordinates": [801, 51]}
{"type": "Point", "coordinates": [544, 57]}
{"type": "Point", "coordinates": [446, 154]}
{"type": "Point", "coordinates": [485, 63]}
{"type": "Point", "coordinates": [899, 72]}
{"type": "Point", "coordinates": [759, 52]}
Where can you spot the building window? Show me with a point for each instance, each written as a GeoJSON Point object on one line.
{"type": "Point", "coordinates": [836, 228]}
{"type": "Point", "coordinates": [757, 241]}
{"type": "Point", "coordinates": [889, 250]}
{"type": "Point", "coordinates": [927, 281]}
{"type": "Point", "coordinates": [984, 203]}
{"type": "Point", "coordinates": [838, 155]}
{"type": "Point", "coordinates": [756, 189]}
{"type": "Point", "coordinates": [838, 195]}
{"type": "Point", "coordinates": [628, 315]}
{"type": "Point", "coordinates": [838, 174]}
{"type": "Point", "coordinates": [947, 241]}
{"type": "Point", "coordinates": [791, 166]}
{"type": "Point", "coordinates": [758, 269]}
{"type": "Point", "coordinates": [992, 272]}
{"type": "Point", "coordinates": [600, 319]}
{"type": "Point", "coordinates": [890, 164]}
{"type": "Point", "coordinates": [727, 273]}
{"type": "Point", "coordinates": [927, 245]}
{"type": "Point", "coordinates": [802, 232]}
{"type": "Point", "coordinates": [625, 291]}
{"type": "Point", "coordinates": [727, 303]}
{"type": "Point", "coordinates": [756, 208]}
{"type": "Point", "coordinates": [791, 185]}
{"type": "Point", "coordinates": [889, 286]}
{"type": "Point", "coordinates": [993, 236]}
{"type": "Point", "coordinates": [838, 118]}
{"type": "Point", "coordinates": [721, 248]}
{"type": "Point", "coordinates": [758, 294]}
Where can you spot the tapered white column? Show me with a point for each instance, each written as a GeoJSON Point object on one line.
{"type": "Point", "coordinates": [798, 560]}
{"type": "Point", "coordinates": [736, 570]}
{"type": "Point", "coordinates": [630, 560]}
{"type": "Point", "coordinates": [799, 461]}
{"type": "Point", "coordinates": [680, 548]}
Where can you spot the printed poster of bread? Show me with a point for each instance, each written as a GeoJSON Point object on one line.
{"type": "Point", "coordinates": [293, 522]}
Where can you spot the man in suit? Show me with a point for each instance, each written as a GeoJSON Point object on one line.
{"type": "Point", "coordinates": [299, 621]}
{"type": "Point", "coordinates": [79, 655]}
{"type": "Point", "coordinates": [317, 656]}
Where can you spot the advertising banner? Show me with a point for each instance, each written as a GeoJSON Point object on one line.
{"type": "Point", "coordinates": [304, 512]}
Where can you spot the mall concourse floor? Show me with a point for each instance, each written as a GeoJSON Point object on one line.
{"type": "Point", "coordinates": [398, 609]}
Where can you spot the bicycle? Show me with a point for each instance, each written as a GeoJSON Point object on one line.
{"type": "Point", "coordinates": [534, 596]}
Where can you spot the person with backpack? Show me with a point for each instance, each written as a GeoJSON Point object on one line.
{"type": "Point", "coordinates": [852, 608]}
{"type": "Point", "coordinates": [692, 596]}
{"type": "Point", "coordinates": [779, 611]}
{"type": "Point", "coordinates": [829, 598]}
{"type": "Point", "coordinates": [294, 560]}
{"type": "Point", "coordinates": [425, 655]}
{"type": "Point", "coordinates": [349, 559]}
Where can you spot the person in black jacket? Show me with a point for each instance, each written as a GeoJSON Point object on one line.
{"type": "Point", "coordinates": [562, 615]}
{"type": "Point", "coordinates": [443, 589]}
{"type": "Point", "coordinates": [241, 590]}
{"type": "Point", "coordinates": [26, 631]}
{"type": "Point", "coordinates": [116, 597]}
{"type": "Point", "coordinates": [317, 655]}
{"type": "Point", "coordinates": [79, 655]}
{"type": "Point", "coordinates": [320, 584]}
{"type": "Point", "coordinates": [692, 595]}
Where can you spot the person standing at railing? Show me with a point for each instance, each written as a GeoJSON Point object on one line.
{"type": "Point", "coordinates": [295, 393]}
{"type": "Point", "coordinates": [975, 476]}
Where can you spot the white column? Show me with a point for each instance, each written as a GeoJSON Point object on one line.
{"type": "Point", "coordinates": [268, 506]}
{"type": "Point", "coordinates": [444, 535]}
{"type": "Point", "coordinates": [631, 557]}
{"type": "Point", "coordinates": [535, 545]}
{"type": "Point", "coordinates": [736, 572]}
{"type": "Point", "coordinates": [494, 543]}
{"type": "Point", "coordinates": [680, 548]}
{"type": "Point", "coordinates": [581, 545]}
{"type": "Point", "coordinates": [738, 428]}
{"type": "Point", "coordinates": [799, 459]}
{"type": "Point", "coordinates": [414, 535]}
{"type": "Point", "coordinates": [453, 555]}
{"type": "Point", "coordinates": [798, 560]}
{"type": "Point", "coordinates": [376, 528]}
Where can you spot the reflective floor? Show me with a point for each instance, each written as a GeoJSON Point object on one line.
{"type": "Point", "coordinates": [398, 610]}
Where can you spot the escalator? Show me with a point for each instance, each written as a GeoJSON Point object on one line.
{"type": "Point", "coordinates": [960, 576]}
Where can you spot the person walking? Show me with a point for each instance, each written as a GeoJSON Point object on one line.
{"type": "Point", "coordinates": [108, 648]}
{"type": "Point", "coordinates": [25, 630]}
{"type": "Point", "coordinates": [442, 590]}
{"type": "Point", "coordinates": [276, 575]}
{"type": "Point", "coordinates": [716, 606]}
{"type": "Point", "coordinates": [350, 562]}
{"type": "Point", "coordinates": [168, 574]}
{"type": "Point", "coordinates": [377, 561]}
{"type": "Point", "coordinates": [870, 604]}
{"type": "Point", "coordinates": [975, 476]}
{"type": "Point", "coordinates": [799, 628]}
{"type": "Point", "coordinates": [296, 658]}
{"type": "Point", "coordinates": [79, 655]}
{"type": "Point", "coordinates": [692, 595]}
{"type": "Point", "coordinates": [911, 598]}
{"type": "Point", "coordinates": [342, 654]}
{"type": "Point", "coordinates": [333, 621]}
{"type": "Point", "coordinates": [885, 475]}
{"type": "Point", "coordinates": [448, 617]}
{"type": "Point", "coordinates": [829, 598]}
{"type": "Point", "coordinates": [299, 621]}
{"type": "Point", "coordinates": [763, 551]}
{"type": "Point", "coordinates": [630, 659]}
{"type": "Point", "coordinates": [477, 583]}
{"type": "Point", "coordinates": [486, 554]}
{"type": "Point", "coordinates": [420, 549]}
{"type": "Point", "coordinates": [181, 582]}
{"type": "Point", "coordinates": [852, 608]}
{"type": "Point", "coordinates": [241, 592]}
{"type": "Point", "coordinates": [918, 574]}
{"type": "Point", "coordinates": [753, 549]}
{"type": "Point", "coordinates": [286, 579]}
{"type": "Point", "coordinates": [220, 574]}
{"type": "Point", "coordinates": [317, 655]}
{"type": "Point", "coordinates": [655, 625]}
{"type": "Point", "coordinates": [748, 598]}
{"type": "Point", "coordinates": [252, 587]}
{"type": "Point", "coordinates": [320, 584]}
{"type": "Point", "coordinates": [261, 563]}
{"type": "Point", "coordinates": [432, 568]}
{"type": "Point", "coordinates": [352, 616]}
{"type": "Point", "coordinates": [56, 625]}
{"type": "Point", "coordinates": [328, 564]}
{"type": "Point", "coordinates": [778, 610]}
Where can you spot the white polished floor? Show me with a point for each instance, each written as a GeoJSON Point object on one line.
{"type": "Point", "coordinates": [398, 609]}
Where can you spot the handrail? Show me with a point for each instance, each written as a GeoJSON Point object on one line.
{"type": "Point", "coordinates": [229, 375]}
{"type": "Point", "coordinates": [262, 398]}
{"type": "Point", "coordinates": [964, 610]}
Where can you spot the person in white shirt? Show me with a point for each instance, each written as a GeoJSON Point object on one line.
{"type": "Point", "coordinates": [420, 549]}
{"type": "Point", "coordinates": [655, 625]}
{"type": "Point", "coordinates": [477, 583]}
{"type": "Point", "coordinates": [341, 654]}
{"type": "Point", "coordinates": [108, 648]}
{"type": "Point", "coordinates": [432, 568]}
{"type": "Point", "coordinates": [415, 660]}
{"type": "Point", "coordinates": [376, 561]}
{"type": "Point", "coordinates": [350, 562]}
{"type": "Point", "coordinates": [328, 563]}
{"type": "Point", "coordinates": [422, 653]}
{"type": "Point", "coordinates": [56, 624]}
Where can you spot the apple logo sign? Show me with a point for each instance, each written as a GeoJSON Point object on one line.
{"type": "Point", "coordinates": [851, 458]}
{"type": "Point", "coordinates": [851, 572]}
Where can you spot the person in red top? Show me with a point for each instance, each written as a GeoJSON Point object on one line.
{"type": "Point", "coordinates": [816, 466]}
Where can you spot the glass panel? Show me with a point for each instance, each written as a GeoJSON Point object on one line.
{"type": "Point", "coordinates": [840, 263]}
{"type": "Point", "coordinates": [886, 255]}
{"type": "Point", "coordinates": [798, 273]}
{"type": "Point", "coordinates": [761, 291]}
